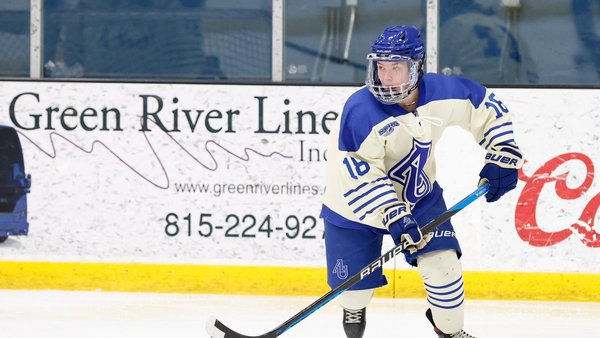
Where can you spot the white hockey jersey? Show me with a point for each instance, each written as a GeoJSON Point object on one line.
{"type": "Point", "coordinates": [381, 156]}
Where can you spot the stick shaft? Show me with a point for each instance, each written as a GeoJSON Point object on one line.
{"type": "Point", "coordinates": [378, 263]}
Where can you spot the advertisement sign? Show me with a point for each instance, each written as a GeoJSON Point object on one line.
{"type": "Point", "coordinates": [233, 175]}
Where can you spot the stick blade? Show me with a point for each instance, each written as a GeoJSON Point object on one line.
{"type": "Point", "coordinates": [216, 329]}
{"type": "Point", "coordinates": [212, 329]}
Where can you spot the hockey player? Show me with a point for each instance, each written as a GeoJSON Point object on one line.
{"type": "Point", "coordinates": [381, 175]}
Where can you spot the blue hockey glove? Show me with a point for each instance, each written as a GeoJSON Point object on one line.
{"type": "Point", "coordinates": [406, 229]}
{"type": "Point", "coordinates": [502, 180]}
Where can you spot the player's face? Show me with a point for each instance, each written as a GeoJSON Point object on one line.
{"type": "Point", "coordinates": [393, 73]}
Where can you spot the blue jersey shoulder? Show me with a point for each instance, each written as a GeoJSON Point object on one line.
{"type": "Point", "coordinates": [361, 112]}
{"type": "Point", "coordinates": [435, 87]}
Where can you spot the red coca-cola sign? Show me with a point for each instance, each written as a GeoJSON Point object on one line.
{"type": "Point", "coordinates": [526, 221]}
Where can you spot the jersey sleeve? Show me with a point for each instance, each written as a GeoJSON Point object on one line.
{"type": "Point", "coordinates": [488, 120]}
{"type": "Point", "coordinates": [358, 176]}
{"type": "Point", "coordinates": [370, 192]}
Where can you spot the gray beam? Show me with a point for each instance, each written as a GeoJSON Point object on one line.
{"type": "Point", "coordinates": [432, 42]}
{"type": "Point", "coordinates": [36, 46]}
{"type": "Point", "coordinates": [277, 41]}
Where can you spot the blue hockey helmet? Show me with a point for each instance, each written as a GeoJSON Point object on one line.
{"type": "Point", "coordinates": [396, 44]}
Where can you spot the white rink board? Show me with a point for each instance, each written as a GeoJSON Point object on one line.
{"type": "Point", "coordinates": [104, 195]}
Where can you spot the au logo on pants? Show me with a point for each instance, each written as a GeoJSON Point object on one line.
{"type": "Point", "coordinates": [340, 269]}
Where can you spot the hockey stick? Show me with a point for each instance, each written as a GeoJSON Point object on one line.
{"type": "Point", "coordinates": [216, 329]}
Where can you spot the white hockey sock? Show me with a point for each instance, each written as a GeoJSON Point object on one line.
{"type": "Point", "coordinates": [442, 276]}
{"type": "Point", "coordinates": [355, 299]}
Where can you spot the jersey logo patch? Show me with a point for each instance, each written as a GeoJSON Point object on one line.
{"type": "Point", "coordinates": [409, 172]}
{"type": "Point", "coordinates": [388, 128]}
{"type": "Point", "coordinates": [340, 269]}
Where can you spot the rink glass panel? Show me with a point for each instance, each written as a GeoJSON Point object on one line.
{"type": "Point", "coordinates": [521, 42]}
{"type": "Point", "coordinates": [327, 41]}
{"type": "Point", "coordinates": [158, 39]}
{"type": "Point", "coordinates": [14, 38]}
{"type": "Point", "coordinates": [504, 43]}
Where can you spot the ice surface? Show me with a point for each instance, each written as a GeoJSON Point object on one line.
{"type": "Point", "coordinates": [66, 314]}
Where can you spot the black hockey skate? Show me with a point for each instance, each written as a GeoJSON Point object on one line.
{"type": "Point", "coordinates": [355, 322]}
{"type": "Point", "coordinates": [460, 334]}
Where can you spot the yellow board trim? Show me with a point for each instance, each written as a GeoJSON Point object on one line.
{"type": "Point", "coordinates": [280, 281]}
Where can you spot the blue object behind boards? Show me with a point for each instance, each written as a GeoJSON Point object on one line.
{"type": "Point", "coordinates": [14, 185]}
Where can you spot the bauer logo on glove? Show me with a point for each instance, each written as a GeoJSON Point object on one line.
{"type": "Point", "coordinates": [501, 159]}
{"type": "Point", "coordinates": [394, 214]}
